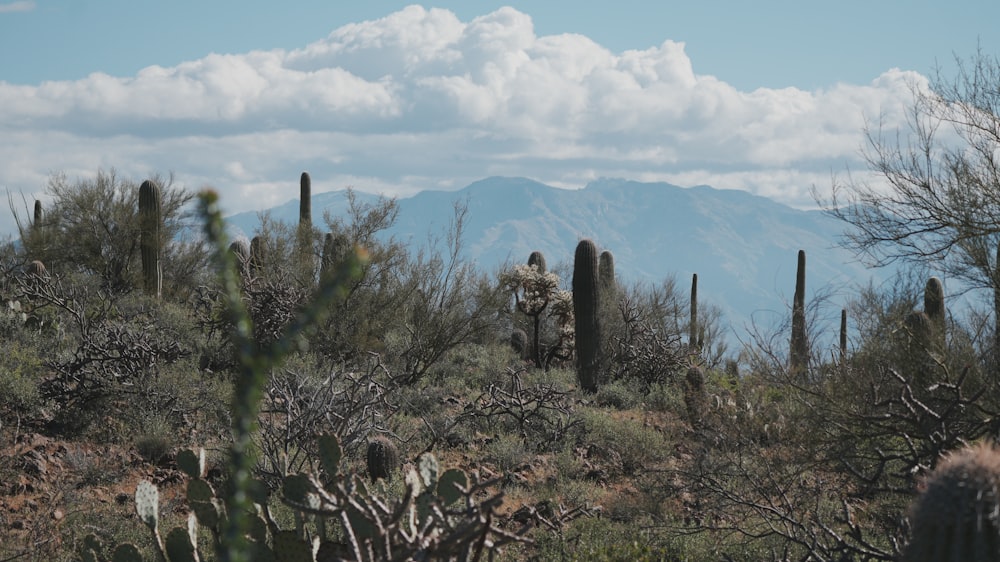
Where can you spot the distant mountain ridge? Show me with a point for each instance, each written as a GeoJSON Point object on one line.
{"type": "Point", "coordinates": [742, 246]}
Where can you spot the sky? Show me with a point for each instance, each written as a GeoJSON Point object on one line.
{"type": "Point", "coordinates": [769, 96]}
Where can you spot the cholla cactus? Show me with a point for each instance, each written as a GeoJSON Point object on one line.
{"type": "Point", "coordinates": [533, 290]}
{"type": "Point", "coordinates": [957, 516]}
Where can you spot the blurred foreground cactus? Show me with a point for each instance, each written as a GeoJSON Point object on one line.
{"type": "Point", "coordinates": [957, 517]}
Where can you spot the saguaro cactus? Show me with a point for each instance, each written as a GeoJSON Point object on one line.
{"type": "Point", "coordinates": [843, 334]}
{"type": "Point", "coordinates": [695, 396]}
{"type": "Point", "coordinates": [258, 254]}
{"type": "Point", "coordinates": [305, 199]}
{"type": "Point", "coordinates": [383, 459]}
{"type": "Point", "coordinates": [538, 260]}
{"type": "Point", "coordinates": [586, 304]}
{"type": "Point", "coordinates": [996, 317]}
{"type": "Point", "coordinates": [934, 307]}
{"type": "Point", "coordinates": [150, 218]}
{"type": "Point", "coordinates": [955, 518]}
{"type": "Point", "coordinates": [37, 214]}
{"type": "Point", "coordinates": [336, 247]}
{"type": "Point", "coordinates": [606, 271]}
{"type": "Point", "coordinates": [304, 236]}
{"type": "Point", "coordinates": [241, 251]}
{"type": "Point", "coordinates": [36, 270]}
{"type": "Point", "coordinates": [799, 346]}
{"type": "Point", "coordinates": [693, 328]}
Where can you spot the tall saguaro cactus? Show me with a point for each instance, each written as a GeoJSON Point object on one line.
{"type": "Point", "coordinates": [537, 259]}
{"type": "Point", "coordinates": [586, 304]}
{"type": "Point", "coordinates": [305, 224]}
{"type": "Point", "coordinates": [843, 334]}
{"type": "Point", "coordinates": [996, 309]}
{"type": "Point", "coordinates": [305, 199]}
{"type": "Point", "coordinates": [935, 309]}
{"type": "Point", "coordinates": [799, 346]}
{"type": "Point", "coordinates": [693, 328]}
{"type": "Point", "coordinates": [150, 243]}
{"type": "Point", "coordinates": [606, 271]}
{"type": "Point", "coordinates": [37, 222]}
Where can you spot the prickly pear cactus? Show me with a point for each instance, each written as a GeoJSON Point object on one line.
{"type": "Point", "coordinates": [147, 503]}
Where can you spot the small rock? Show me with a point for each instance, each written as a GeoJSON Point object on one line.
{"type": "Point", "coordinates": [58, 514]}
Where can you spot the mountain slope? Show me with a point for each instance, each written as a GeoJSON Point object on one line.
{"type": "Point", "coordinates": [742, 246]}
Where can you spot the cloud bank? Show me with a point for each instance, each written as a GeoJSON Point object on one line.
{"type": "Point", "coordinates": [421, 100]}
{"type": "Point", "coordinates": [22, 6]}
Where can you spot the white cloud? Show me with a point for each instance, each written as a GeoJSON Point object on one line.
{"type": "Point", "coordinates": [420, 99]}
{"type": "Point", "coordinates": [11, 7]}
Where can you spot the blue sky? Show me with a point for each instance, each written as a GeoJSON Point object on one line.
{"type": "Point", "coordinates": [766, 96]}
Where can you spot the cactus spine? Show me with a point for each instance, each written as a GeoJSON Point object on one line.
{"type": "Point", "coordinates": [693, 328]}
{"type": "Point", "coordinates": [799, 346]}
{"type": "Point", "coordinates": [383, 459]}
{"type": "Point", "coordinates": [586, 304]}
{"type": "Point", "coordinates": [150, 218]}
{"type": "Point", "coordinates": [955, 518]}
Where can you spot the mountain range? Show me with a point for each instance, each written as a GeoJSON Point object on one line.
{"type": "Point", "coordinates": [742, 246]}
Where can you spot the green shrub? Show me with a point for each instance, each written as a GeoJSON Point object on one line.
{"type": "Point", "coordinates": [20, 370]}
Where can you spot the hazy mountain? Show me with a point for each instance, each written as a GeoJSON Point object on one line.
{"type": "Point", "coordinates": [743, 247]}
